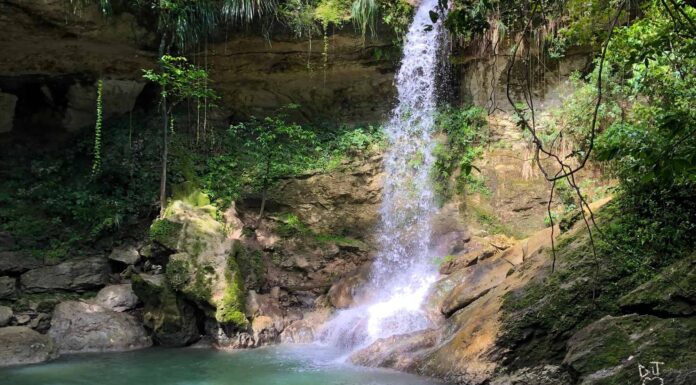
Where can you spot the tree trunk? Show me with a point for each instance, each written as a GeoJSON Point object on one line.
{"type": "Point", "coordinates": [165, 148]}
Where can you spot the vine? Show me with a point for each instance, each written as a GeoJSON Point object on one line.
{"type": "Point", "coordinates": [96, 163]}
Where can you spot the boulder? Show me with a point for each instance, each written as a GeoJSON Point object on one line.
{"type": "Point", "coordinates": [15, 262]}
{"type": "Point", "coordinates": [204, 268]}
{"type": "Point", "coordinates": [8, 287]}
{"type": "Point", "coordinates": [117, 297]}
{"type": "Point", "coordinates": [5, 315]}
{"type": "Point", "coordinates": [73, 275]}
{"type": "Point", "coordinates": [79, 327]}
{"type": "Point", "coordinates": [22, 346]}
{"type": "Point", "coordinates": [171, 319]}
{"type": "Point", "coordinates": [125, 254]}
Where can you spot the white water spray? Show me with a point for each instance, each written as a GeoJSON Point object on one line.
{"type": "Point", "coordinates": [403, 270]}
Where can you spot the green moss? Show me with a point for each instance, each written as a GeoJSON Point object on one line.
{"type": "Point", "coordinates": [231, 308]}
{"type": "Point", "coordinates": [166, 233]}
{"type": "Point", "coordinates": [178, 271]}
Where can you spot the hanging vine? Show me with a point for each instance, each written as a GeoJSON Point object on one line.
{"type": "Point", "coordinates": [97, 161]}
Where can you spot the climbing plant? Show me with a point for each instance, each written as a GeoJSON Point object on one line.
{"type": "Point", "coordinates": [96, 163]}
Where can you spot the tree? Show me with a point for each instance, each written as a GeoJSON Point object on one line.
{"type": "Point", "coordinates": [179, 80]}
{"type": "Point", "coordinates": [270, 149]}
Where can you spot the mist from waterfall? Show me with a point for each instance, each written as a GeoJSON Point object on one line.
{"type": "Point", "coordinates": [403, 269]}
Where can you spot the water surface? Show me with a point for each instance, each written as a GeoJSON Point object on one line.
{"type": "Point", "coordinates": [278, 365]}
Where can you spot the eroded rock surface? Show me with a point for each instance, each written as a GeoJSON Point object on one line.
{"type": "Point", "coordinates": [80, 327]}
{"type": "Point", "coordinates": [74, 275]}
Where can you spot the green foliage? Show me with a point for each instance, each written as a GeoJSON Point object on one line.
{"type": "Point", "coordinates": [271, 148]}
{"type": "Point", "coordinates": [165, 232]}
{"type": "Point", "coordinates": [247, 10]}
{"type": "Point", "coordinates": [469, 18]}
{"type": "Point", "coordinates": [397, 15]}
{"type": "Point", "coordinates": [291, 225]}
{"type": "Point", "coordinates": [364, 15]}
{"type": "Point", "coordinates": [51, 202]}
{"type": "Point", "coordinates": [180, 80]}
{"type": "Point", "coordinates": [455, 157]}
{"type": "Point", "coordinates": [298, 15]}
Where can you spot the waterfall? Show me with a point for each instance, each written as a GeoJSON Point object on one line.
{"type": "Point", "coordinates": [403, 269]}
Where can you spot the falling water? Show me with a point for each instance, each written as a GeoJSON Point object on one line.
{"type": "Point", "coordinates": [403, 270]}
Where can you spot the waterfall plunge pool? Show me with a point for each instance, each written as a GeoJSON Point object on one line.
{"type": "Point", "coordinates": [276, 365]}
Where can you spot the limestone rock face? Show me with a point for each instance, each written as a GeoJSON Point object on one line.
{"type": "Point", "coordinates": [119, 97]}
{"type": "Point", "coordinates": [73, 275]}
{"type": "Point", "coordinates": [344, 201]}
{"type": "Point", "coordinates": [171, 319]}
{"type": "Point", "coordinates": [79, 327]}
{"type": "Point", "coordinates": [8, 287]}
{"type": "Point", "coordinates": [117, 297]}
{"type": "Point", "coordinates": [15, 262]}
{"type": "Point", "coordinates": [21, 346]}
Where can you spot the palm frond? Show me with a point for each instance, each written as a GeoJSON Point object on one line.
{"type": "Point", "coordinates": [364, 16]}
{"type": "Point", "coordinates": [245, 11]}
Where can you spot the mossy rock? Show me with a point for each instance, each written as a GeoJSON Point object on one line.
{"type": "Point", "coordinates": [166, 233]}
{"type": "Point", "coordinates": [672, 292]}
{"type": "Point", "coordinates": [191, 194]}
{"type": "Point", "coordinates": [171, 319]}
{"type": "Point", "coordinates": [608, 351]}
{"type": "Point", "coordinates": [230, 310]}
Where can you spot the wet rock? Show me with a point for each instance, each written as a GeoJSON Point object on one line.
{"type": "Point", "coordinates": [73, 275]}
{"type": "Point", "coordinates": [15, 262]}
{"type": "Point", "coordinates": [21, 346]}
{"type": "Point", "coordinates": [8, 287]}
{"type": "Point", "coordinates": [297, 332]}
{"type": "Point", "coordinates": [398, 352]}
{"type": "Point", "coordinates": [472, 283]}
{"type": "Point", "coordinates": [346, 292]}
{"type": "Point", "coordinates": [79, 327]}
{"type": "Point", "coordinates": [5, 315]}
{"type": "Point", "coordinates": [117, 297]}
{"type": "Point", "coordinates": [171, 319]}
{"type": "Point", "coordinates": [127, 255]}
{"type": "Point", "coordinates": [264, 331]}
